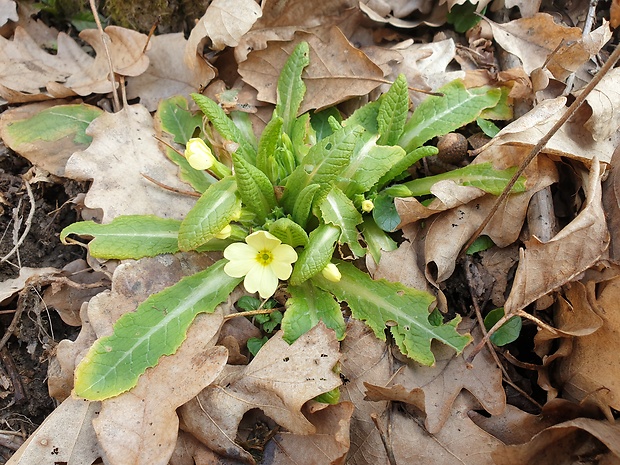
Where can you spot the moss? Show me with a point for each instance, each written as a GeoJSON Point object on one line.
{"type": "Point", "coordinates": [140, 15]}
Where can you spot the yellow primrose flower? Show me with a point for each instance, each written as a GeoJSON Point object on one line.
{"type": "Point", "coordinates": [263, 259]}
{"type": "Point", "coordinates": [367, 206]}
{"type": "Point", "coordinates": [199, 154]}
{"type": "Point", "coordinates": [224, 233]}
{"type": "Point", "coordinates": [331, 273]}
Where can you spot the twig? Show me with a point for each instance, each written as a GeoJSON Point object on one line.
{"type": "Point", "coordinates": [169, 188]}
{"type": "Point", "coordinates": [264, 311]}
{"type": "Point", "coordinates": [587, 27]}
{"type": "Point", "coordinates": [384, 437]}
{"type": "Point", "coordinates": [7, 361]}
{"type": "Point", "coordinates": [543, 142]}
{"type": "Point", "coordinates": [27, 226]}
{"type": "Point", "coordinates": [117, 103]}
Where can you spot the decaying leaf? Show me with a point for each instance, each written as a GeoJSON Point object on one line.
{"type": "Point", "coordinates": [10, 287]}
{"type": "Point", "coordinates": [226, 21]}
{"type": "Point", "coordinates": [611, 204]}
{"type": "Point", "coordinates": [328, 78]}
{"type": "Point", "coordinates": [123, 148]}
{"type": "Point", "coordinates": [8, 11]}
{"type": "Point", "coordinates": [544, 267]}
{"type": "Point", "coordinates": [604, 101]}
{"type": "Point", "coordinates": [433, 390]}
{"type": "Point", "coordinates": [279, 380]}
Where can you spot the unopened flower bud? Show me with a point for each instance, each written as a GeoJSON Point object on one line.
{"type": "Point", "coordinates": [198, 154]}
{"type": "Point", "coordinates": [331, 273]}
{"type": "Point", "coordinates": [367, 206]}
{"type": "Point", "coordinates": [224, 233]}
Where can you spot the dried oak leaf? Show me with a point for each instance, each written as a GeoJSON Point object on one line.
{"type": "Point", "coordinates": [27, 275]}
{"type": "Point", "coordinates": [591, 372]}
{"type": "Point", "coordinates": [433, 390]}
{"type": "Point", "coordinates": [168, 73]}
{"type": "Point", "coordinates": [604, 100]}
{"type": "Point", "coordinates": [66, 436]}
{"type": "Point", "coordinates": [611, 204]}
{"type": "Point", "coordinates": [566, 444]}
{"type": "Point", "coordinates": [391, 13]}
{"type": "Point", "coordinates": [544, 267]}
{"type": "Point", "coordinates": [279, 380]}
{"type": "Point", "coordinates": [337, 70]}
{"type": "Point", "coordinates": [123, 148]}
{"type": "Point", "coordinates": [8, 11]}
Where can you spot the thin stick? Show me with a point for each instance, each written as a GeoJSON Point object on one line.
{"type": "Point", "coordinates": [542, 142]}
{"type": "Point", "coordinates": [264, 311]}
{"type": "Point", "coordinates": [28, 224]}
{"type": "Point", "coordinates": [169, 188]}
{"type": "Point", "coordinates": [117, 103]}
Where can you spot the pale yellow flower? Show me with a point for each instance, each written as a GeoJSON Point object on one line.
{"type": "Point", "coordinates": [331, 273]}
{"type": "Point", "coordinates": [198, 154]}
{"type": "Point", "coordinates": [224, 233]}
{"type": "Point", "coordinates": [262, 260]}
{"type": "Point", "coordinates": [367, 206]}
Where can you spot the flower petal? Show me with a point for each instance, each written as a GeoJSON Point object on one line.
{"type": "Point", "coordinates": [262, 240]}
{"type": "Point", "coordinates": [284, 253]}
{"type": "Point", "coordinates": [282, 270]}
{"type": "Point", "coordinates": [239, 251]}
{"type": "Point", "coordinates": [261, 279]}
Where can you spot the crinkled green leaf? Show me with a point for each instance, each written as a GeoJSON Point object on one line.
{"type": "Point", "coordinates": [131, 236]}
{"type": "Point", "coordinates": [385, 213]}
{"type": "Point", "coordinates": [320, 122]}
{"type": "Point", "coordinates": [366, 117]}
{"type": "Point", "coordinates": [409, 159]}
{"type": "Point", "coordinates": [303, 204]}
{"type": "Point", "coordinates": [157, 327]}
{"type": "Point", "coordinates": [376, 239]}
{"type": "Point", "coordinates": [254, 187]}
{"type": "Point", "coordinates": [215, 209]}
{"type": "Point", "coordinates": [267, 145]}
{"type": "Point", "coordinates": [437, 116]}
{"type": "Point", "coordinates": [289, 232]}
{"type": "Point", "coordinates": [225, 126]}
{"type": "Point", "coordinates": [393, 110]}
{"type": "Point", "coordinates": [244, 124]}
{"type": "Point", "coordinates": [323, 164]}
{"type": "Point", "coordinates": [481, 175]}
{"type": "Point", "coordinates": [508, 332]}
{"type": "Point", "coordinates": [175, 118]}
{"type": "Point", "coordinates": [503, 110]}
{"type": "Point", "coordinates": [307, 306]}
{"type": "Point", "coordinates": [402, 309]}
{"type": "Point", "coordinates": [291, 88]}
{"type": "Point", "coordinates": [464, 16]}
{"type": "Point", "coordinates": [337, 209]}
{"type": "Point", "coordinates": [317, 254]}
{"type": "Point", "coordinates": [303, 137]}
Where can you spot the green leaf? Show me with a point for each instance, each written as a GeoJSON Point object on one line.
{"type": "Point", "coordinates": [174, 117]}
{"type": "Point", "coordinates": [409, 159]}
{"type": "Point", "coordinates": [131, 236]}
{"type": "Point", "coordinates": [320, 122]}
{"type": "Point", "coordinates": [337, 209]}
{"type": "Point", "coordinates": [403, 309]}
{"type": "Point", "coordinates": [393, 110]}
{"type": "Point", "coordinates": [317, 254]}
{"type": "Point", "coordinates": [291, 88]}
{"type": "Point", "coordinates": [244, 124]}
{"type": "Point", "coordinates": [331, 397]}
{"type": "Point", "coordinates": [503, 110]}
{"type": "Point", "coordinates": [303, 204]}
{"type": "Point", "coordinates": [225, 126]}
{"type": "Point", "coordinates": [308, 306]}
{"type": "Point", "coordinates": [481, 243]}
{"type": "Point", "coordinates": [488, 127]}
{"type": "Point", "coordinates": [267, 146]}
{"type": "Point", "coordinates": [289, 232]}
{"type": "Point", "coordinates": [481, 175]}
{"type": "Point", "coordinates": [376, 239]}
{"type": "Point", "coordinates": [437, 116]}
{"type": "Point", "coordinates": [248, 303]}
{"type": "Point", "coordinates": [324, 162]}
{"type": "Point", "coordinates": [369, 163]}
{"type": "Point", "coordinates": [254, 187]}
{"type": "Point", "coordinates": [269, 321]}
{"type": "Point", "coordinates": [366, 117]}
{"type": "Point", "coordinates": [508, 332]}
{"type": "Point", "coordinates": [463, 17]}
{"type": "Point", "coordinates": [254, 344]}
{"type": "Point", "coordinates": [157, 327]}
{"type": "Point", "coordinates": [384, 213]}
{"type": "Point", "coordinates": [213, 211]}
{"type": "Point", "coordinates": [303, 137]}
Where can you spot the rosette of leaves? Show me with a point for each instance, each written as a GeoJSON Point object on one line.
{"type": "Point", "coordinates": [304, 181]}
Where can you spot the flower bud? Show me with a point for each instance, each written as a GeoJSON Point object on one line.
{"type": "Point", "coordinates": [224, 233]}
{"type": "Point", "coordinates": [367, 206]}
{"type": "Point", "coordinates": [331, 273]}
{"type": "Point", "coordinates": [198, 154]}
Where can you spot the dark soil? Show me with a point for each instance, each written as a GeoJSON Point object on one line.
{"type": "Point", "coordinates": [24, 398]}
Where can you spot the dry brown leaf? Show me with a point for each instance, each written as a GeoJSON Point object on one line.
{"type": "Point", "coordinates": [8, 12]}
{"type": "Point", "coordinates": [66, 436]}
{"type": "Point", "coordinates": [27, 275]}
{"type": "Point", "coordinates": [190, 451]}
{"type": "Point", "coordinates": [565, 444]}
{"type": "Point", "coordinates": [328, 445]}
{"type": "Point", "coordinates": [527, 8]}
{"type": "Point", "coordinates": [168, 73]}
{"type": "Point", "coordinates": [124, 147]}
{"type": "Point", "coordinates": [496, 263]}
{"type": "Point", "coordinates": [365, 359]}
{"type": "Point", "coordinates": [279, 380]}
{"type": "Point", "coordinates": [611, 204]}
{"type": "Point", "coordinates": [544, 267]}
{"type": "Point", "coordinates": [226, 21]}
{"type": "Point", "coordinates": [459, 442]}
{"type": "Point", "coordinates": [604, 100]}
{"type": "Point", "coordinates": [140, 427]}
{"type": "Point", "coordinates": [337, 70]}
{"type": "Point", "coordinates": [614, 13]}
{"type": "Point", "coordinates": [380, 12]}
{"type": "Point", "coordinates": [590, 374]}
{"type": "Point", "coordinates": [434, 389]}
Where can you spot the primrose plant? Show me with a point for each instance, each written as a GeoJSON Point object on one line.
{"type": "Point", "coordinates": [291, 210]}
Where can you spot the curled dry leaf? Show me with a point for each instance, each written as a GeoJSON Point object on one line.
{"type": "Point", "coordinates": [544, 267]}
{"type": "Point", "coordinates": [123, 148]}
{"type": "Point", "coordinates": [611, 204]}
{"type": "Point", "coordinates": [226, 21]}
{"type": "Point", "coordinates": [329, 79]}
{"type": "Point", "coordinates": [168, 73]}
{"type": "Point", "coordinates": [381, 12]}
{"type": "Point", "coordinates": [27, 275]}
{"type": "Point", "coordinates": [279, 380]}
{"type": "Point", "coordinates": [604, 100]}
{"type": "Point", "coordinates": [433, 390]}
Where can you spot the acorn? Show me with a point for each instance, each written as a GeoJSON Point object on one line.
{"type": "Point", "coordinates": [452, 148]}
